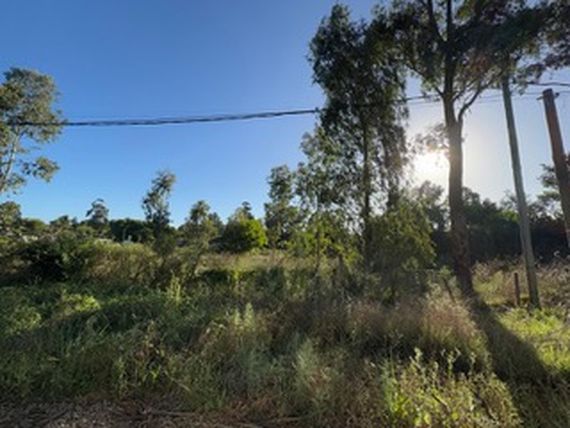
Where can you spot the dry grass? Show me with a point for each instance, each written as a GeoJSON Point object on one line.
{"type": "Point", "coordinates": [276, 344]}
{"type": "Point", "coordinates": [433, 324]}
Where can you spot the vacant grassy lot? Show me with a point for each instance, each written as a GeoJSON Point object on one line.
{"type": "Point", "coordinates": [273, 344]}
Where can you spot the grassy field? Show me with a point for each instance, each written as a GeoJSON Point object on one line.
{"type": "Point", "coordinates": [264, 341]}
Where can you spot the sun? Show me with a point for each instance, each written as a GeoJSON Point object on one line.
{"type": "Point", "coordinates": [430, 165]}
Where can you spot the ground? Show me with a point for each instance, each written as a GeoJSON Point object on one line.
{"type": "Point", "coordinates": [266, 344]}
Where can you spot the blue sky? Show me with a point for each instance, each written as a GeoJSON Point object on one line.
{"type": "Point", "coordinates": [148, 58]}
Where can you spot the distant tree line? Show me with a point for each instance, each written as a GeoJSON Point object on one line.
{"type": "Point", "coordinates": [303, 217]}
{"type": "Point", "coordinates": [349, 199]}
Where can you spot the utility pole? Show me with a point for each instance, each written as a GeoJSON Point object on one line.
{"type": "Point", "coordinates": [559, 157]}
{"type": "Point", "coordinates": [524, 223]}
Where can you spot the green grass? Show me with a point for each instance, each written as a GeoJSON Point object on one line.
{"type": "Point", "coordinates": [547, 332]}
{"type": "Point", "coordinates": [270, 343]}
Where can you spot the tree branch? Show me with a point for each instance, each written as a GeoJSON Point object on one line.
{"type": "Point", "coordinates": [480, 88]}
{"type": "Point", "coordinates": [433, 21]}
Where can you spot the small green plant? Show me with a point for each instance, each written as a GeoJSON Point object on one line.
{"type": "Point", "coordinates": [174, 290]}
{"type": "Point", "coordinates": [17, 312]}
{"type": "Point", "coordinates": [423, 393]}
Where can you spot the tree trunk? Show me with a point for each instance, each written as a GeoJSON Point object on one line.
{"type": "Point", "coordinates": [459, 232]}
{"type": "Point", "coordinates": [559, 157]}
{"type": "Point", "coordinates": [367, 195]}
{"type": "Point", "coordinates": [524, 222]}
{"type": "Point", "coordinates": [319, 237]}
{"type": "Point", "coordinates": [454, 125]}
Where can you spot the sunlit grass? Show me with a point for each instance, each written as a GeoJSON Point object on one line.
{"type": "Point", "coordinates": [263, 344]}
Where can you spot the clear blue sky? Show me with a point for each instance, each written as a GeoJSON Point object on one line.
{"type": "Point", "coordinates": [147, 58]}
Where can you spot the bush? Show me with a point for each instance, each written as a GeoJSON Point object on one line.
{"type": "Point", "coordinates": [402, 244]}
{"type": "Point", "coordinates": [51, 258]}
{"type": "Point", "coordinates": [117, 264]}
{"type": "Point", "coordinates": [243, 235]}
{"type": "Point", "coordinates": [238, 348]}
{"type": "Point", "coordinates": [17, 312]}
{"type": "Point", "coordinates": [181, 264]}
{"type": "Point", "coordinates": [424, 393]}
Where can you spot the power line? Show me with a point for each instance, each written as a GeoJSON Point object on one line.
{"type": "Point", "coordinates": [564, 84]}
{"type": "Point", "coordinates": [192, 119]}
{"type": "Point", "coordinates": [180, 120]}
{"type": "Point", "coordinates": [175, 120]}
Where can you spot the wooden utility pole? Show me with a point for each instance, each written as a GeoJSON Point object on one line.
{"type": "Point", "coordinates": [559, 157]}
{"type": "Point", "coordinates": [517, 289]}
{"type": "Point", "coordinates": [524, 223]}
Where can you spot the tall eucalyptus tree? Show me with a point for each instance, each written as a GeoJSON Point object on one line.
{"type": "Point", "coordinates": [365, 113]}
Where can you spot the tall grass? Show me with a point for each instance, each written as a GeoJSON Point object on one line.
{"type": "Point", "coordinates": [279, 344]}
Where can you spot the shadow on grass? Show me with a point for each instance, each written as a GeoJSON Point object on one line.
{"type": "Point", "coordinates": [542, 397]}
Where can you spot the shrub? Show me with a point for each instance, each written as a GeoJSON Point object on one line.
{"type": "Point", "coordinates": [17, 312]}
{"type": "Point", "coordinates": [423, 393]}
{"type": "Point", "coordinates": [117, 264]}
{"type": "Point", "coordinates": [74, 303]}
{"type": "Point", "coordinates": [314, 379]}
{"type": "Point", "coordinates": [243, 234]}
{"type": "Point", "coordinates": [182, 263]}
{"type": "Point", "coordinates": [402, 242]}
{"type": "Point", "coordinates": [238, 348]}
{"type": "Point", "coordinates": [51, 258]}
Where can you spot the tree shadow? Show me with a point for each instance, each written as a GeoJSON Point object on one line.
{"type": "Point", "coordinates": [540, 395]}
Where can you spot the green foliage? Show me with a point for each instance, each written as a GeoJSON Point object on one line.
{"type": "Point", "coordinates": [436, 325]}
{"type": "Point", "coordinates": [71, 304]}
{"type": "Point", "coordinates": [547, 331]}
{"type": "Point", "coordinates": [431, 198]}
{"type": "Point", "coordinates": [26, 98]}
{"type": "Point", "coordinates": [555, 37]}
{"type": "Point", "coordinates": [325, 236]}
{"type": "Point", "coordinates": [118, 265]}
{"type": "Point", "coordinates": [201, 227]}
{"type": "Point", "coordinates": [459, 49]}
{"type": "Point", "coordinates": [130, 230]}
{"type": "Point", "coordinates": [401, 238]}
{"type": "Point", "coordinates": [157, 212]}
{"type": "Point", "coordinates": [262, 345]}
{"type": "Point", "coordinates": [356, 69]}
{"type": "Point", "coordinates": [315, 380]}
{"type": "Point", "coordinates": [547, 206]}
{"type": "Point", "coordinates": [322, 188]}
{"type": "Point", "coordinates": [50, 258]}
{"type": "Point", "coordinates": [17, 313]}
{"type": "Point", "coordinates": [321, 184]}
{"type": "Point", "coordinates": [243, 232]}
{"type": "Point", "coordinates": [494, 232]}
{"type": "Point", "coordinates": [423, 393]}
{"type": "Point", "coordinates": [181, 265]}
{"type": "Point", "coordinates": [493, 228]}
{"type": "Point", "coordinates": [265, 338]}
{"type": "Point", "coordinates": [10, 219]}
{"type": "Point", "coordinates": [98, 214]}
{"type": "Point", "coordinates": [281, 217]}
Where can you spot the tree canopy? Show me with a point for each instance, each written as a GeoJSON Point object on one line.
{"type": "Point", "coordinates": [365, 113]}
{"type": "Point", "coordinates": [27, 120]}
